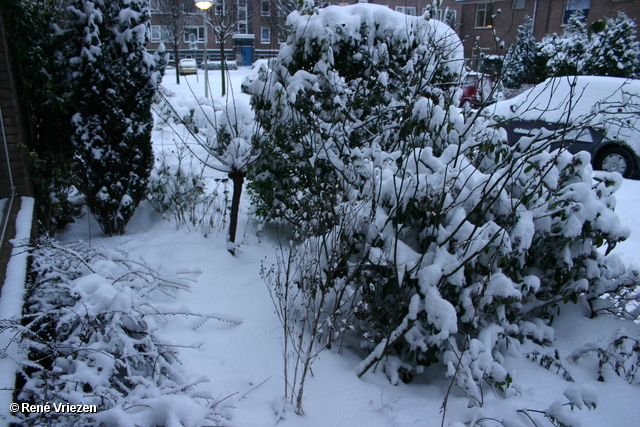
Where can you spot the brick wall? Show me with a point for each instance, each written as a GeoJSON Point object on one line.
{"type": "Point", "coordinates": [14, 126]}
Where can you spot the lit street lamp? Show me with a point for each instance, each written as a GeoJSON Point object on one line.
{"type": "Point", "coordinates": [203, 5]}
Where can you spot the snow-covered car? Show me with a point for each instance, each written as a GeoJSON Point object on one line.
{"type": "Point", "coordinates": [217, 65]}
{"type": "Point", "coordinates": [600, 115]}
{"type": "Point", "coordinates": [187, 66]}
{"type": "Point", "coordinates": [253, 74]}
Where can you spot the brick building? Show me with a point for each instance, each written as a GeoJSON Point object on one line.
{"type": "Point", "coordinates": [479, 24]}
{"type": "Point", "coordinates": [486, 27]}
{"type": "Point", "coordinates": [255, 33]}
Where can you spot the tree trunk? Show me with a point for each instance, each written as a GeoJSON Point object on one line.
{"type": "Point", "coordinates": [222, 70]}
{"type": "Point", "coordinates": [176, 60]}
{"type": "Point", "coordinates": [238, 179]}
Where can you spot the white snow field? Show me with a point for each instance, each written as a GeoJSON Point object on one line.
{"type": "Point", "coordinates": [239, 348]}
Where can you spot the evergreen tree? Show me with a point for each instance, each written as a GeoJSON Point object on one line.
{"type": "Point", "coordinates": [520, 63]}
{"type": "Point", "coordinates": [615, 51]}
{"type": "Point", "coordinates": [565, 55]}
{"type": "Point", "coordinates": [116, 80]}
{"type": "Point", "coordinates": [38, 52]}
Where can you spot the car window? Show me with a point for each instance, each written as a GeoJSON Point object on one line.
{"type": "Point", "coordinates": [580, 135]}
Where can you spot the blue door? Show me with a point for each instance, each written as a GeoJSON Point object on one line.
{"type": "Point", "coordinates": [247, 55]}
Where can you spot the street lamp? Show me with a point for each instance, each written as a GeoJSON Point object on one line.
{"type": "Point", "coordinates": [203, 5]}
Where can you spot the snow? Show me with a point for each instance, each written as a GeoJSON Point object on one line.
{"type": "Point", "coordinates": [11, 301]}
{"type": "Point", "coordinates": [239, 347]}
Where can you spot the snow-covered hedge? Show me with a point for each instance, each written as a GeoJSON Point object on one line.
{"type": "Point", "coordinates": [348, 78]}
{"type": "Point", "coordinates": [87, 336]}
{"type": "Point", "coordinates": [421, 230]}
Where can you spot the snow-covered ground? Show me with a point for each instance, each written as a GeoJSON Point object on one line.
{"type": "Point", "coordinates": [239, 348]}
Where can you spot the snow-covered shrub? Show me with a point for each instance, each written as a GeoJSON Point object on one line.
{"type": "Point", "coordinates": [565, 54]}
{"type": "Point", "coordinates": [178, 188]}
{"type": "Point", "coordinates": [469, 244]}
{"type": "Point", "coordinates": [316, 111]}
{"type": "Point", "coordinates": [116, 80]}
{"type": "Point", "coordinates": [620, 355]}
{"type": "Point", "coordinates": [87, 335]}
{"type": "Point", "coordinates": [605, 48]}
{"type": "Point", "coordinates": [614, 51]}
{"type": "Point", "coordinates": [520, 63]}
{"type": "Point", "coordinates": [230, 150]}
{"type": "Point", "coordinates": [38, 54]}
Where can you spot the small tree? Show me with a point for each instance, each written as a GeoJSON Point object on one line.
{"type": "Point", "coordinates": [232, 151]}
{"type": "Point", "coordinates": [615, 50]}
{"type": "Point", "coordinates": [223, 17]}
{"type": "Point", "coordinates": [172, 15]}
{"type": "Point", "coordinates": [116, 79]}
{"type": "Point", "coordinates": [520, 63]}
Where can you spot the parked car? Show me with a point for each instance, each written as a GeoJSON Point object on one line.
{"type": "Point", "coordinates": [476, 90]}
{"type": "Point", "coordinates": [187, 66]}
{"type": "Point", "coordinates": [600, 115]}
{"type": "Point", "coordinates": [217, 65]}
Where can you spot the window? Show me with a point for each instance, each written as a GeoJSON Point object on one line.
{"type": "Point", "coordinates": [265, 11]}
{"type": "Point", "coordinates": [363, 1]}
{"type": "Point", "coordinates": [484, 18]}
{"type": "Point", "coordinates": [241, 24]}
{"type": "Point", "coordinates": [406, 10]}
{"type": "Point", "coordinates": [571, 6]}
{"type": "Point", "coordinates": [265, 35]}
{"type": "Point", "coordinates": [519, 4]}
{"type": "Point", "coordinates": [194, 34]}
{"type": "Point", "coordinates": [159, 34]}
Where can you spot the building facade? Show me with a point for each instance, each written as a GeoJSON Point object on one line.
{"type": "Point", "coordinates": [490, 27]}
{"type": "Point", "coordinates": [486, 27]}
{"type": "Point", "coordinates": [250, 28]}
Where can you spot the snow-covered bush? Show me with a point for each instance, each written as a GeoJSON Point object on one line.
{"type": "Point", "coordinates": [179, 189]}
{"type": "Point", "coordinates": [605, 48]}
{"type": "Point", "coordinates": [565, 54]}
{"type": "Point", "coordinates": [116, 80]}
{"type": "Point", "coordinates": [87, 335]}
{"type": "Point", "coordinates": [621, 355]}
{"type": "Point", "coordinates": [520, 63]}
{"type": "Point", "coordinates": [614, 51]}
{"type": "Point", "coordinates": [465, 246]}
{"type": "Point", "coordinates": [38, 53]}
{"type": "Point", "coordinates": [230, 150]}
{"type": "Point", "coordinates": [317, 111]}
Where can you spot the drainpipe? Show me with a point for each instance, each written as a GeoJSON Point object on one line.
{"type": "Point", "coordinates": [5, 219]}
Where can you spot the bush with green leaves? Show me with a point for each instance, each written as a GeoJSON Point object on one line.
{"type": "Point", "coordinates": [316, 110]}
{"type": "Point", "coordinates": [439, 242]}
{"type": "Point", "coordinates": [39, 53]}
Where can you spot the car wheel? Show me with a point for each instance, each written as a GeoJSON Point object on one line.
{"type": "Point", "coordinates": [616, 159]}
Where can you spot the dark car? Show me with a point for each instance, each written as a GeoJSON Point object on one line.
{"type": "Point", "coordinates": [607, 155]}
{"type": "Point", "coordinates": [600, 115]}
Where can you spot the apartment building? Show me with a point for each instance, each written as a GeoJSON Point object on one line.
{"type": "Point", "coordinates": [486, 27]}
{"type": "Point", "coordinates": [489, 27]}
{"type": "Point", "coordinates": [254, 34]}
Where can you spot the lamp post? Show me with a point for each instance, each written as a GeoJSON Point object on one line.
{"type": "Point", "coordinates": [204, 5]}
